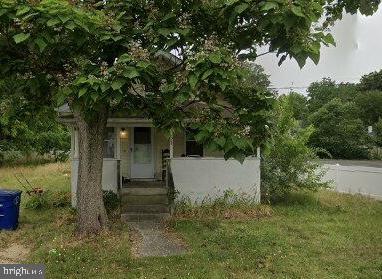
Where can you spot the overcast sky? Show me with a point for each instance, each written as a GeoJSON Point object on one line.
{"type": "Point", "coordinates": [358, 52]}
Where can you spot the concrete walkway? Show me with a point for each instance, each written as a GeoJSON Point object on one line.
{"type": "Point", "coordinates": [151, 239]}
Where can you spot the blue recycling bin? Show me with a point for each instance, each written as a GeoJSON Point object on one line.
{"type": "Point", "coordinates": [9, 209]}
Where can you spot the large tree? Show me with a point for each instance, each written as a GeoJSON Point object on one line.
{"type": "Point", "coordinates": [98, 56]}
{"type": "Point", "coordinates": [339, 131]}
{"type": "Point", "coordinates": [27, 126]}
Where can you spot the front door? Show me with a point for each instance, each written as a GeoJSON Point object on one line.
{"type": "Point", "coordinates": [142, 165]}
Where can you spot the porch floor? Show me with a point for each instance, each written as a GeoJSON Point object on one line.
{"type": "Point", "coordinates": [143, 184]}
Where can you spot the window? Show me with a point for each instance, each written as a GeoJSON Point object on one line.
{"type": "Point", "coordinates": [192, 147]}
{"type": "Point", "coordinates": [109, 143]}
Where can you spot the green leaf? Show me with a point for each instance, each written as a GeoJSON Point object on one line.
{"type": "Point", "coordinates": [94, 96]}
{"type": "Point", "coordinates": [124, 58]}
{"type": "Point", "coordinates": [53, 21]}
{"type": "Point", "coordinates": [221, 141]}
{"type": "Point", "coordinates": [62, 95]}
{"type": "Point", "coordinates": [70, 25]}
{"type": "Point", "coordinates": [241, 8]}
{"type": "Point", "coordinates": [231, 2]}
{"type": "Point", "coordinates": [315, 57]}
{"type": "Point", "coordinates": [63, 18]}
{"type": "Point", "coordinates": [2, 12]}
{"type": "Point", "coordinates": [143, 64]}
{"type": "Point", "coordinates": [82, 91]}
{"type": "Point", "coordinates": [269, 6]}
{"type": "Point", "coordinates": [21, 37]}
{"type": "Point", "coordinates": [215, 57]}
{"type": "Point", "coordinates": [117, 84]}
{"type": "Point", "coordinates": [164, 31]}
{"type": "Point", "coordinates": [239, 157]}
{"type": "Point", "coordinates": [193, 80]}
{"type": "Point", "coordinates": [297, 11]}
{"type": "Point", "coordinates": [80, 80]}
{"type": "Point", "coordinates": [328, 39]}
{"type": "Point", "coordinates": [40, 42]}
{"type": "Point", "coordinates": [207, 74]}
{"type": "Point", "coordinates": [22, 10]}
{"type": "Point", "coordinates": [104, 87]}
{"type": "Point", "coordinates": [131, 73]}
{"type": "Point", "coordinates": [168, 16]}
{"type": "Point", "coordinates": [240, 143]}
{"type": "Point", "coordinates": [222, 84]}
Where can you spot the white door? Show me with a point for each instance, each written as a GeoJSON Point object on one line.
{"type": "Point", "coordinates": [142, 159]}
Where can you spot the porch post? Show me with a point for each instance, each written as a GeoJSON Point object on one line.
{"type": "Point", "coordinates": [171, 147]}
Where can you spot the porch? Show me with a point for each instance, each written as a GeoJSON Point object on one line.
{"type": "Point", "coordinates": [141, 164]}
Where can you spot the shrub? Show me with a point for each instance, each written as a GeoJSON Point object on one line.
{"type": "Point", "coordinates": [60, 199]}
{"type": "Point", "coordinates": [48, 199]}
{"type": "Point", "coordinates": [288, 163]}
{"type": "Point", "coordinates": [38, 201]}
{"type": "Point", "coordinates": [111, 201]}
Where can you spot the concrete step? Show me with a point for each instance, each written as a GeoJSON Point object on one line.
{"type": "Point", "coordinates": [137, 217]}
{"type": "Point", "coordinates": [150, 208]}
{"type": "Point", "coordinates": [144, 199]}
{"type": "Point", "coordinates": [144, 191]}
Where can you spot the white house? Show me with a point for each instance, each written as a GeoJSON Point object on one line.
{"type": "Point", "coordinates": [136, 156]}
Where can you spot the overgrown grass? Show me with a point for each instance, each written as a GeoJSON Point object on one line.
{"type": "Point", "coordinates": [323, 235]}
{"type": "Point", "coordinates": [228, 206]}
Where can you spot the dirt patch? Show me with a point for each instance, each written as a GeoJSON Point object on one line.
{"type": "Point", "coordinates": [15, 253]}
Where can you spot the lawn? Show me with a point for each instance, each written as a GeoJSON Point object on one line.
{"type": "Point", "coordinates": [325, 235]}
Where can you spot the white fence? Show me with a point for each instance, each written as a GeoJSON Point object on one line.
{"type": "Point", "coordinates": [199, 178]}
{"type": "Point", "coordinates": [355, 179]}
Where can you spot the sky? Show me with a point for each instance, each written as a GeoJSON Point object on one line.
{"type": "Point", "coordinates": [358, 51]}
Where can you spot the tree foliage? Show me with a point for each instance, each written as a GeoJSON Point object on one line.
{"type": "Point", "coordinates": [288, 163]}
{"type": "Point", "coordinates": [27, 127]}
{"type": "Point", "coordinates": [105, 56]}
{"type": "Point", "coordinates": [299, 106]}
{"type": "Point", "coordinates": [378, 132]}
{"type": "Point", "coordinates": [370, 105]}
{"type": "Point", "coordinates": [351, 108]}
{"type": "Point", "coordinates": [372, 81]}
{"type": "Point", "coordinates": [339, 131]}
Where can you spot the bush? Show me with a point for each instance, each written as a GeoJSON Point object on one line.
{"type": "Point", "coordinates": [111, 201]}
{"type": "Point", "coordinates": [48, 199]}
{"type": "Point", "coordinates": [288, 163]}
{"type": "Point", "coordinates": [38, 201]}
{"type": "Point", "coordinates": [60, 199]}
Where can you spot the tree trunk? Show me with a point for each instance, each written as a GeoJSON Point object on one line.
{"type": "Point", "coordinates": [91, 213]}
